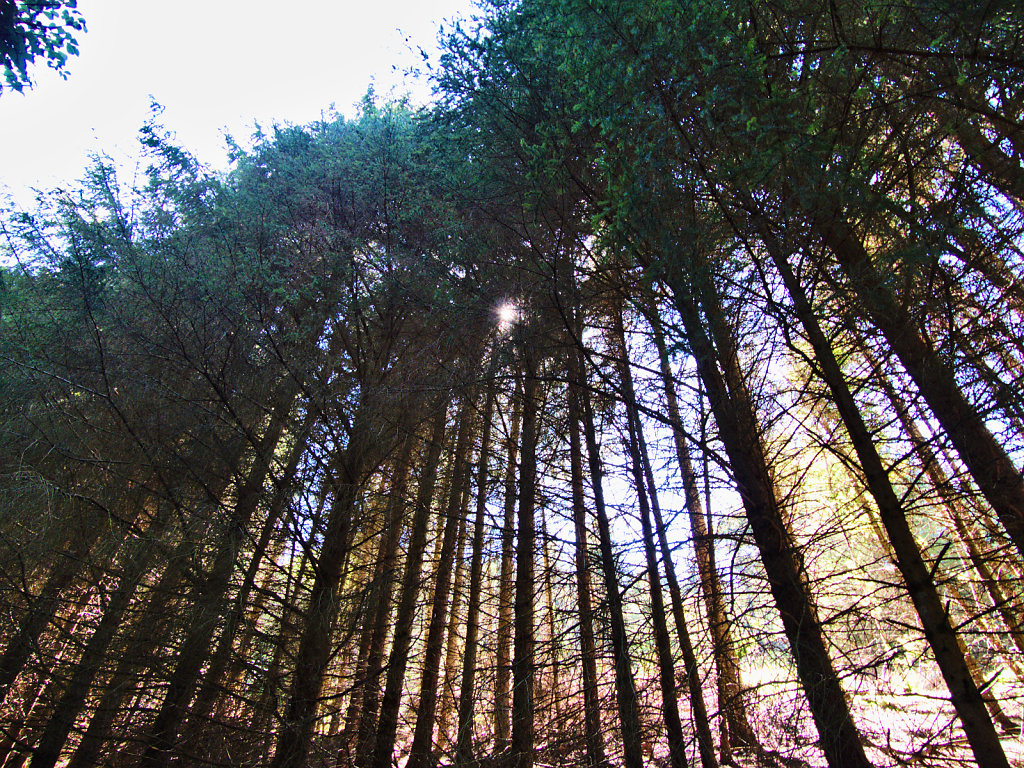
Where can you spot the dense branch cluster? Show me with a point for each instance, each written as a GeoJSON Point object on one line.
{"type": "Point", "coordinates": [652, 399]}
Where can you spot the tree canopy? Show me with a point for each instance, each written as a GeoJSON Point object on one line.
{"type": "Point", "coordinates": [654, 398]}
{"type": "Point", "coordinates": [44, 29]}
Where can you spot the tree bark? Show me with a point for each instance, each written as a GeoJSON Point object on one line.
{"type": "Point", "coordinates": [737, 732]}
{"type": "Point", "coordinates": [209, 596]}
{"type": "Point", "coordinates": [625, 689]}
{"type": "Point", "coordinates": [967, 699]}
{"type": "Point", "coordinates": [663, 646]}
{"type": "Point", "coordinates": [992, 469]}
{"type": "Point", "coordinates": [315, 646]}
{"type": "Point", "coordinates": [464, 730]}
{"type": "Point", "coordinates": [379, 607]}
{"type": "Point", "coordinates": [398, 660]}
{"type": "Point", "coordinates": [591, 706]}
{"type": "Point", "coordinates": [740, 434]}
{"type": "Point", "coordinates": [62, 719]}
{"type": "Point", "coordinates": [523, 664]}
{"type": "Point", "coordinates": [502, 660]}
{"type": "Point", "coordinates": [420, 753]}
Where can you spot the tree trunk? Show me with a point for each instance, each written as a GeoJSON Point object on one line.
{"type": "Point", "coordinates": [625, 690]}
{"type": "Point", "coordinates": [554, 724]}
{"type": "Point", "coordinates": [995, 473]}
{"type": "Point", "coordinates": [967, 699]}
{"type": "Point", "coordinates": [740, 434]}
{"type": "Point", "coordinates": [398, 660]}
{"type": "Point", "coordinates": [737, 732]}
{"type": "Point", "coordinates": [212, 682]}
{"type": "Point", "coordinates": [315, 646]}
{"type": "Point", "coordinates": [23, 641]}
{"type": "Point", "coordinates": [591, 706]}
{"type": "Point", "coordinates": [502, 662]}
{"type": "Point", "coordinates": [452, 651]}
{"type": "Point", "coordinates": [379, 608]}
{"type": "Point", "coordinates": [420, 753]}
{"type": "Point", "coordinates": [148, 631]}
{"type": "Point", "coordinates": [209, 597]}
{"type": "Point", "coordinates": [663, 645]}
{"type": "Point", "coordinates": [62, 719]}
{"type": "Point", "coordinates": [702, 726]}
{"type": "Point", "coordinates": [464, 730]}
{"type": "Point", "coordinates": [523, 664]}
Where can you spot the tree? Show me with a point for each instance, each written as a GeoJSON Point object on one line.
{"type": "Point", "coordinates": [34, 29]}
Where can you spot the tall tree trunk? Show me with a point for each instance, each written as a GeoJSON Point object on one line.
{"type": "Point", "coordinates": [62, 719]}
{"type": "Point", "coordinates": [361, 717]}
{"type": "Point", "coordinates": [502, 660]}
{"type": "Point", "coordinates": [523, 664]}
{"type": "Point", "coordinates": [420, 753]}
{"type": "Point", "coordinates": [379, 607]}
{"type": "Point", "coordinates": [737, 732]}
{"type": "Point", "coordinates": [143, 643]}
{"type": "Point", "coordinates": [209, 598]}
{"type": "Point", "coordinates": [315, 646]}
{"type": "Point", "coordinates": [464, 730]}
{"type": "Point", "coordinates": [554, 721]}
{"type": "Point", "coordinates": [740, 434]}
{"type": "Point", "coordinates": [398, 660]}
{"type": "Point", "coordinates": [452, 651]}
{"type": "Point", "coordinates": [662, 643]}
{"type": "Point", "coordinates": [997, 476]}
{"type": "Point", "coordinates": [625, 689]}
{"type": "Point", "coordinates": [702, 726]}
{"type": "Point", "coordinates": [591, 706]}
{"type": "Point", "coordinates": [212, 682]}
{"type": "Point", "coordinates": [967, 699]}
{"type": "Point", "coordinates": [960, 517]}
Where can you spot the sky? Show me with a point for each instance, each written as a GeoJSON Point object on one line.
{"type": "Point", "coordinates": [216, 67]}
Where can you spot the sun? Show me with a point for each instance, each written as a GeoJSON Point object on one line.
{"type": "Point", "coordinates": [507, 314]}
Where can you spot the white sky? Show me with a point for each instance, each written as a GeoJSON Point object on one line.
{"type": "Point", "coordinates": [216, 66]}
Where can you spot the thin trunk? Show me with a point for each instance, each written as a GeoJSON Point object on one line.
{"type": "Point", "coordinates": [967, 699]}
{"type": "Point", "coordinates": [420, 753]}
{"type": "Point", "coordinates": [209, 598]}
{"type": "Point", "coordinates": [740, 434]}
{"type": "Point", "coordinates": [591, 705]}
{"type": "Point", "coordinates": [702, 726]}
{"type": "Point", "coordinates": [502, 662]}
{"type": "Point", "coordinates": [137, 562]}
{"type": "Point", "coordinates": [737, 731]}
{"type": "Point", "coordinates": [451, 654]}
{"type": "Point", "coordinates": [379, 608]}
{"type": "Point", "coordinates": [212, 682]}
{"type": "Point", "coordinates": [995, 473]}
{"type": "Point", "coordinates": [662, 642]}
{"type": "Point", "coordinates": [266, 708]}
{"type": "Point", "coordinates": [315, 646]}
{"type": "Point", "coordinates": [554, 692]}
{"type": "Point", "coordinates": [523, 663]}
{"type": "Point", "coordinates": [959, 517]}
{"type": "Point", "coordinates": [625, 689]}
{"type": "Point", "coordinates": [398, 660]}
{"type": "Point", "coordinates": [464, 738]}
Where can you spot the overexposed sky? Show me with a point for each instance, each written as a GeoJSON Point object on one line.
{"type": "Point", "coordinates": [216, 66]}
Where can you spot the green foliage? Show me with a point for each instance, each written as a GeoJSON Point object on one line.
{"type": "Point", "coordinates": [31, 29]}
